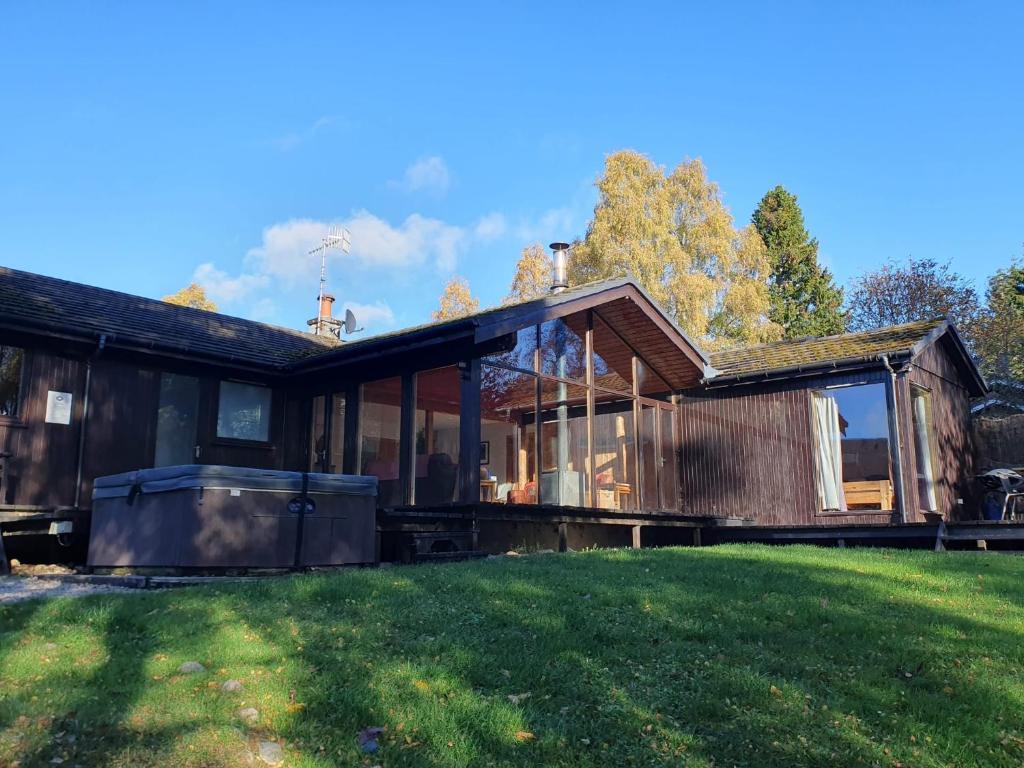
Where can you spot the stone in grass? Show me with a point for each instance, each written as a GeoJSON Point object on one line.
{"type": "Point", "coordinates": [190, 667]}
{"type": "Point", "coordinates": [271, 753]}
{"type": "Point", "coordinates": [231, 686]}
{"type": "Point", "coordinates": [249, 715]}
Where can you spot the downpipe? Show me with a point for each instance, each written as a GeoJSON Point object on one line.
{"type": "Point", "coordinates": [85, 418]}
{"type": "Point", "coordinates": [896, 452]}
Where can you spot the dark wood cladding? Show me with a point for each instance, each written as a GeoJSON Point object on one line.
{"type": "Point", "coordinates": [935, 370]}
{"type": "Point", "coordinates": [43, 456]}
{"type": "Point", "coordinates": [121, 428]}
{"type": "Point", "coordinates": [748, 452]}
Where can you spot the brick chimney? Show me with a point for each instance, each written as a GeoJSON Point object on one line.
{"type": "Point", "coordinates": [324, 323]}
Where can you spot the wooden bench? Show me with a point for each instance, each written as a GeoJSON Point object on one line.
{"type": "Point", "coordinates": [868, 494]}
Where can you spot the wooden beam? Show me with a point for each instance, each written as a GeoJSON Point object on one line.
{"type": "Point", "coordinates": [563, 537]}
{"type": "Point", "coordinates": [636, 536]}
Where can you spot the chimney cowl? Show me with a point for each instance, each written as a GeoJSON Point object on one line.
{"type": "Point", "coordinates": [560, 264]}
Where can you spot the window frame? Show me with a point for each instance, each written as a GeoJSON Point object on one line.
{"type": "Point", "coordinates": [243, 441]}
{"type": "Point", "coordinates": [920, 391]}
{"type": "Point", "coordinates": [17, 419]}
{"type": "Point", "coordinates": [825, 386]}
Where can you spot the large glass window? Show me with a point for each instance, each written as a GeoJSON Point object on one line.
{"type": "Point", "coordinates": [176, 420]}
{"type": "Point", "coordinates": [508, 450]}
{"type": "Point", "coordinates": [380, 409]}
{"type": "Point", "coordinates": [852, 439]}
{"type": "Point", "coordinates": [438, 401]}
{"type": "Point", "coordinates": [626, 470]}
{"type": "Point", "coordinates": [613, 360]}
{"type": "Point", "coordinates": [520, 350]}
{"type": "Point", "coordinates": [243, 411]}
{"type": "Point", "coordinates": [614, 452]}
{"type": "Point", "coordinates": [924, 448]}
{"type": "Point", "coordinates": [563, 347]}
{"type": "Point", "coordinates": [650, 384]}
{"type": "Point", "coordinates": [565, 475]}
{"type": "Point", "coordinates": [11, 362]}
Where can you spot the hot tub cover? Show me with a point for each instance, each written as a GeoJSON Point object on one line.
{"type": "Point", "coordinates": [185, 476]}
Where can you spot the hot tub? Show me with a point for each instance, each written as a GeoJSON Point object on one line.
{"type": "Point", "coordinates": [205, 516]}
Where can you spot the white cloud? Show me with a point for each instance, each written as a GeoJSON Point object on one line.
{"type": "Point", "coordinates": [284, 252]}
{"type": "Point", "coordinates": [372, 316]}
{"type": "Point", "coordinates": [491, 227]}
{"type": "Point", "coordinates": [552, 225]}
{"type": "Point", "coordinates": [225, 289]}
{"type": "Point", "coordinates": [426, 174]}
{"type": "Point", "coordinates": [290, 141]}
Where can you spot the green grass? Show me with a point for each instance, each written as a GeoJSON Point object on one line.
{"type": "Point", "coordinates": [735, 655]}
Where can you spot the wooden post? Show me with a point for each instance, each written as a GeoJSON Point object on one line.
{"type": "Point", "coordinates": [350, 452]}
{"type": "Point", "coordinates": [940, 534]}
{"type": "Point", "coordinates": [407, 439]}
{"type": "Point", "coordinates": [563, 537]}
{"type": "Point", "coordinates": [696, 537]}
{"type": "Point", "coordinates": [636, 537]}
{"type": "Point", "coordinates": [591, 466]}
{"type": "Point", "coordinates": [469, 431]}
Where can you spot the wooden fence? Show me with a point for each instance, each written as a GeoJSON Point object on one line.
{"type": "Point", "coordinates": [999, 442]}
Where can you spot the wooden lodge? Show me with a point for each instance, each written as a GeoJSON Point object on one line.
{"type": "Point", "coordinates": [583, 417]}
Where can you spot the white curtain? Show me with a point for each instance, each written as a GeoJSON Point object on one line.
{"type": "Point", "coordinates": [924, 451]}
{"type": "Point", "coordinates": [830, 453]}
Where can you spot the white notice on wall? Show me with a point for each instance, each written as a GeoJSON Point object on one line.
{"type": "Point", "coordinates": [58, 407]}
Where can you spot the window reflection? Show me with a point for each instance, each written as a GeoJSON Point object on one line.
{"type": "Point", "coordinates": [614, 452]}
{"type": "Point", "coordinates": [563, 347]}
{"type": "Point", "coordinates": [380, 435]}
{"type": "Point", "coordinates": [852, 441]}
{"type": "Point", "coordinates": [508, 404]}
{"type": "Point", "coordinates": [521, 347]}
{"type": "Point", "coordinates": [565, 476]}
{"type": "Point", "coordinates": [613, 360]}
{"type": "Point", "coordinates": [438, 400]}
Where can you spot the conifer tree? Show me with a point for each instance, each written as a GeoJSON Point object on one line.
{"type": "Point", "coordinates": [805, 300]}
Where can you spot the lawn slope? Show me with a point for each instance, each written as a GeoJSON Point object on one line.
{"type": "Point", "coordinates": [735, 655]}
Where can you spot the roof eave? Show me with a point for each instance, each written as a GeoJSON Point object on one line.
{"type": "Point", "coordinates": [860, 362]}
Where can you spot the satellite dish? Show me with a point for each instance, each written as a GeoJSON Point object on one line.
{"type": "Point", "coordinates": [350, 322]}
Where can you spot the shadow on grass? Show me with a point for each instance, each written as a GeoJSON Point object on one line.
{"type": "Point", "coordinates": [726, 656]}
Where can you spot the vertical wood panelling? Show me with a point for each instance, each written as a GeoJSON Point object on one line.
{"type": "Point", "coordinates": [121, 429]}
{"type": "Point", "coordinates": [42, 463]}
{"type": "Point", "coordinates": [748, 452]}
{"type": "Point", "coordinates": [935, 370]}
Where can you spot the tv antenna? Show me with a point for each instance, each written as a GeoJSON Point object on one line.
{"type": "Point", "coordinates": [336, 237]}
{"type": "Point", "coordinates": [340, 238]}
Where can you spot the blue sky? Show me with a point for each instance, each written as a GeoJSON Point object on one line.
{"type": "Point", "coordinates": [144, 145]}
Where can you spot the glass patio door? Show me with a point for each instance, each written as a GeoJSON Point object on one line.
{"type": "Point", "coordinates": [176, 420]}
{"type": "Point", "coordinates": [650, 457]}
{"type": "Point", "coordinates": [658, 461]}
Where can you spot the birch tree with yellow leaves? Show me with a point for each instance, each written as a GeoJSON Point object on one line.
{"type": "Point", "coordinates": [673, 233]}
{"type": "Point", "coordinates": [456, 301]}
{"type": "Point", "coordinates": [533, 275]}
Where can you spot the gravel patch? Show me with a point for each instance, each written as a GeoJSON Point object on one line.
{"type": "Point", "coordinates": [15, 589]}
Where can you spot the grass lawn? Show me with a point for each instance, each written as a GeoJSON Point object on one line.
{"type": "Point", "coordinates": [733, 655]}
